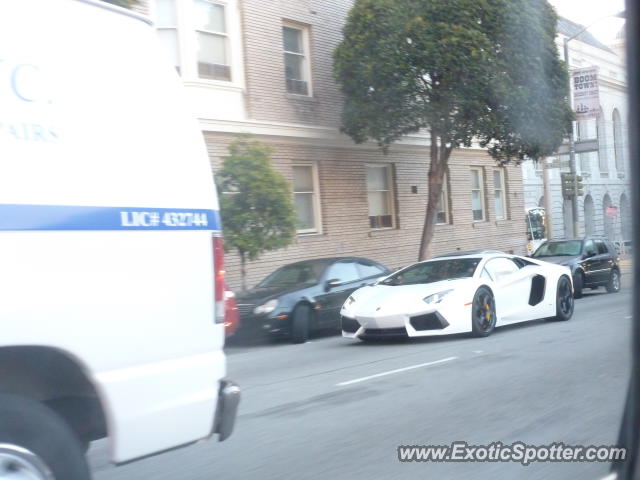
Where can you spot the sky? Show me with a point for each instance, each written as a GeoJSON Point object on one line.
{"type": "Point", "coordinates": [588, 11]}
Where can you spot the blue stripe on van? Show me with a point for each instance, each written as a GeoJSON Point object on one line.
{"type": "Point", "coordinates": [64, 217]}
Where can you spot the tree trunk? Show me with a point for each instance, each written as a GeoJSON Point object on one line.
{"type": "Point", "coordinates": [439, 157]}
{"type": "Point", "coordinates": [243, 271]}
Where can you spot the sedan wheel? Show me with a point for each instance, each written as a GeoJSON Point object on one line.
{"type": "Point", "coordinates": [483, 313]}
{"type": "Point", "coordinates": [300, 324]}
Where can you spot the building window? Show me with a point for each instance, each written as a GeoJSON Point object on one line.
{"type": "Point", "coordinates": [477, 194]}
{"type": "Point", "coordinates": [603, 156]}
{"type": "Point", "coordinates": [295, 43]}
{"type": "Point", "coordinates": [617, 140]}
{"type": "Point", "coordinates": [380, 196]}
{"type": "Point", "coordinates": [499, 194]}
{"type": "Point", "coordinates": [442, 210]}
{"type": "Point", "coordinates": [306, 198]}
{"type": "Point", "coordinates": [212, 40]}
{"type": "Point", "coordinates": [166, 20]}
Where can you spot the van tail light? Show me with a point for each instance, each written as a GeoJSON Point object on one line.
{"type": "Point", "coordinates": [218, 283]}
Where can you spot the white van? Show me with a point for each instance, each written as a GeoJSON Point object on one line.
{"type": "Point", "coordinates": [111, 264]}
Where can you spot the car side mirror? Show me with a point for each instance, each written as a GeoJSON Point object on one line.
{"type": "Point", "coordinates": [589, 254]}
{"type": "Point", "coordinates": [331, 283]}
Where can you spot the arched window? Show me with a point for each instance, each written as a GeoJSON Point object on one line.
{"type": "Point", "coordinates": [589, 216]}
{"type": "Point", "coordinates": [617, 141]}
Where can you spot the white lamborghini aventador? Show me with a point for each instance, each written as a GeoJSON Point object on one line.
{"type": "Point", "coordinates": [464, 292]}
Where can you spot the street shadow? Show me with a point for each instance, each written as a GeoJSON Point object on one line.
{"type": "Point", "coordinates": [244, 341]}
{"type": "Point", "coordinates": [393, 341]}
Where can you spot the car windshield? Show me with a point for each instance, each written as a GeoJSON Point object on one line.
{"type": "Point", "coordinates": [434, 271]}
{"type": "Point", "coordinates": [303, 273]}
{"type": "Point", "coordinates": [569, 248]}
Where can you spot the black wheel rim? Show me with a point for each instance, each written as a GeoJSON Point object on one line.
{"type": "Point", "coordinates": [565, 297]}
{"type": "Point", "coordinates": [484, 311]}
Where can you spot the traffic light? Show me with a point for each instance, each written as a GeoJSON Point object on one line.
{"type": "Point", "coordinates": [567, 180]}
{"type": "Point", "coordinates": [579, 186]}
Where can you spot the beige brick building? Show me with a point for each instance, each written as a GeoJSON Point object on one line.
{"type": "Point", "coordinates": [265, 67]}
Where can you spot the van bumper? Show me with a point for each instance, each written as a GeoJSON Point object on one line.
{"type": "Point", "coordinates": [227, 409]}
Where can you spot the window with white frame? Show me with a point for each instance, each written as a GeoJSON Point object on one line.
{"type": "Point", "coordinates": [499, 194]}
{"type": "Point", "coordinates": [212, 40]}
{"type": "Point", "coordinates": [380, 195]}
{"type": "Point", "coordinates": [295, 43]}
{"type": "Point", "coordinates": [196, 37]}
{"type": "Point", "coordinates": [306, 198]}
{"type": "Point", "coordinates": [442, 210]}
{"type": "Point", "coordinates": [166, 21]}
{"type": "Point", "coordinates": [477, 195]}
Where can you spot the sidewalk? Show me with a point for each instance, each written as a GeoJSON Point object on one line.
{"type": "Point", "coordinates": [626, 263]}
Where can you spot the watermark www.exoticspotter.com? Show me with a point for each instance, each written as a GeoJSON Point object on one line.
{"type": "Point", "coordinates": [515, 452]}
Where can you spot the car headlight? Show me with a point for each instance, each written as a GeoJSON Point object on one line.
{"type": "Point", "coordinates": [266, 307]}
{"type": "Point", "coordinates": [437, 297]}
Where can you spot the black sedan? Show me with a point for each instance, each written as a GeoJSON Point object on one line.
{"type": "Point", "coordinates": [593, 261]}
{"type": "Point", "coordinates": [304, 296]}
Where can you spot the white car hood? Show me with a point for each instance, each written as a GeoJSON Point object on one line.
{"type": "Point", "coordinates": [386, 298]}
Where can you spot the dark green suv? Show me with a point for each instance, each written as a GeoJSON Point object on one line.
{"type": "Point", "coordinates": [593, 261]}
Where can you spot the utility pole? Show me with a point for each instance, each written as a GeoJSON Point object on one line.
{"type": "Point", "coordinates": [548, 201]}
{"type": "Point", "coordinates": [572, 148]}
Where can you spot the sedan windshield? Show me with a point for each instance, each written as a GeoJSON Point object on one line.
{"type": "Point", "coordinates": [434, 271]}
{"type": "Point", "coordinates": [303, 273]}
{"type": "Point", "coordinates": [569, 248]}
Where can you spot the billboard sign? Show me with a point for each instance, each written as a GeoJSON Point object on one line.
{"type": "Point", "coordinates": [584, 88]}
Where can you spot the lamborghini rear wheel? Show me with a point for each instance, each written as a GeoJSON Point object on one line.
{"type": "Point", "coordinates": [483, 313]}
{"type": "Point", "coordinates": [564, 299]}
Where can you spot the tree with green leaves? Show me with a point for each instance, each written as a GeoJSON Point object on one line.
{"type": "Point", "coordinates": [466, 71]}
{"type": "Point", "coordinates": [256, 202]}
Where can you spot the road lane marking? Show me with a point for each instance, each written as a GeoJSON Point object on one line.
{"type": "Point", "coordinates": [397, 370]}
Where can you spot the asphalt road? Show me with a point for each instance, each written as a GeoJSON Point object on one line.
{"type": "Point", "coordinates": [311, 412]}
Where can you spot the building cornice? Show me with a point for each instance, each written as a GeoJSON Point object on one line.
{"type": "Point", "coordinates": [319, 136]}
{"type": "Point", "coordinates": [306, 134]}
